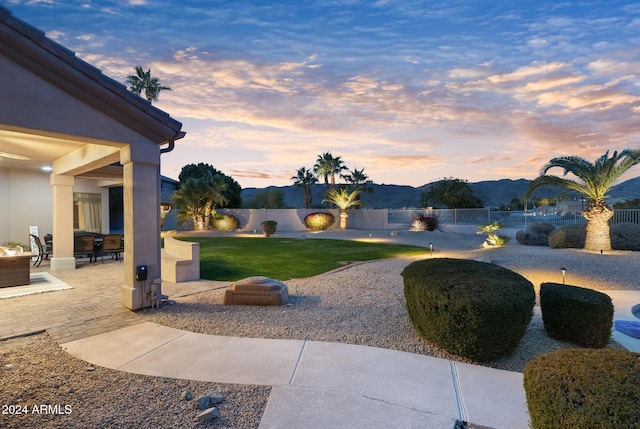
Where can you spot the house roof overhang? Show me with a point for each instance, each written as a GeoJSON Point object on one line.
{"type": "Point", "coordinates": [29, 48]}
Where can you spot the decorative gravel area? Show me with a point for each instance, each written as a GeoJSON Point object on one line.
{"type": "Point", "coordinates": [358, 304]}
{"type": "Point", "coordinates": [364, 303]}
{"type": "Point", "coordinates": [60, 391]}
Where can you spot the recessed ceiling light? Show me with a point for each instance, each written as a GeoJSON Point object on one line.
{"type": "Point", "coordinates": [14, 156]}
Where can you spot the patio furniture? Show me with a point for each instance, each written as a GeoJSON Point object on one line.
{"type": "Point", "coordinates": [15, 270]}
{"type": "Point", "coordinates": [41, 251]}
{"type": "Point", "coordinates": [85, 245]}
{"type": "Point", "coordinates": [111, 244]}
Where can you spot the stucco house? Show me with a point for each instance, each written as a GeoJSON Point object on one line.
{"type": "Point", "coordinates": [59, 112]}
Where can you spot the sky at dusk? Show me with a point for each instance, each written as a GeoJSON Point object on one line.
{"type": "Point", "coordinates": [410, 90]}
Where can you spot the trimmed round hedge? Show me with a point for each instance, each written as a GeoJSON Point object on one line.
{"type": "Point", "coordinates": [226, 222]}
{"type": "Point", "coordinates": [578, 315]}
{"type": "Point", "coordinates": [319, 221]}
{"type": "Point", "coordinates": [470, 308]}
{"type": "Point", "coordinates": [584, 389]}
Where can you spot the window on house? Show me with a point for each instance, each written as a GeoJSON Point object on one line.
{"type": "Point", "coordinates": [87, 209]}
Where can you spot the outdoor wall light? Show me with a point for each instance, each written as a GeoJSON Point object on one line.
{"type": "Point", "coordinates": [564, 272]}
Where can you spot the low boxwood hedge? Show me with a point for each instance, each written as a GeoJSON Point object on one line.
{"type": "Point", "coordinates": [587, 388]}
{"type": "Point", "coordinates": [469, 308]}
{"type": "Point", "coordinates": [578, 315]}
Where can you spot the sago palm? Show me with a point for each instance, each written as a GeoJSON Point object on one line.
{"type": "Point", "coordinates": [593, 181]}
{"type": "Point", "coordinates": [344, 200]}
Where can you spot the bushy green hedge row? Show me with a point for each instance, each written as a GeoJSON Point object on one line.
{"type": "Point", "coordinates": [578, 315]}
{"type": "Point", "coordinates": [595, 389]}
{"type": "Point", "coordinates": [319, 221]}
{"type": "Point", "coordinates": [469, 308]}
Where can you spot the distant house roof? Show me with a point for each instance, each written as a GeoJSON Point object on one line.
{"type": "Point", "coordinates": [28, 47]}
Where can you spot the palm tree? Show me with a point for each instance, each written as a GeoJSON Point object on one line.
{"type": "Point", "coordinates": [305, 179]}
{"type": "Point", "coordinates": [344, 200]}
{"type": "Point", "coordinates": [595, 179]}
{"type": "Point", "coordinates": [143, 82]}
{"type": "Point", "coordinates": [337, 167]}
{"type": "Point", "coordinates": [323, 167]}
{"type": "Point", "coordinates": [197, 199]}
{"type": "Point", "coordinates": [359, 179]}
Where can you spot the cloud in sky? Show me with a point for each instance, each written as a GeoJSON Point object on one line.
{"type": "Point", "coordinates": [412, 91]}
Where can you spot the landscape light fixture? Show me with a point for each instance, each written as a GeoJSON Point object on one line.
{"type": "Point", "coordinates": [564, 271]}
{"type": "Point", "coordinates": [431, 249]}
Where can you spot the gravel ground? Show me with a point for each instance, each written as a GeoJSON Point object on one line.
{"type": "Point", "coordinates": [364, 303]}
{"type": "Point", "coordinates": [358, 304]}
{"type": "Point", "coordinates": [36, 372]}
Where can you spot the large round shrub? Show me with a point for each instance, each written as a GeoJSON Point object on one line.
{"type": "Point", "coordinates": [469, 308]}
{"type": "Point", "coordinates": [569, 236]}
{"type": "Point", "coordinates": [226, 222]}
{"type": "Point", "coordinates": [584, 389]}
{"type": "Point", "coordinates": [319, 221]}
{"type": "Point", "coordinates": [625, 236]}
{"type": "Point", "coordinates": [536, 234]}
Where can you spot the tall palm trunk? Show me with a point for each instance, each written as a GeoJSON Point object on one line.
{"type": "Point", "coordinates": [598, 232]}
{"type": "Point", "coordinates": [307, 196]}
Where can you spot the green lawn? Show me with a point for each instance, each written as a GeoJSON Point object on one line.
{"type": "Point", "coordinates": [234, 258]}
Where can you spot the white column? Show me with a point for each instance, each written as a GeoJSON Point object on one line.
{"type": "Point", "coordinates": [141, 176]}
{"type": "Point", "coordinates": [62, 198]}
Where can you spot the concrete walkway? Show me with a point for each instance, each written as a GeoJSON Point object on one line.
{"type": "Point", "coordinates": [321, 385]}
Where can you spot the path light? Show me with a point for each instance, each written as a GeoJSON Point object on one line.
{"type": "Point", "coordinates": [431, 249]}
{"type": "Point", "coordinates": [564, 271]}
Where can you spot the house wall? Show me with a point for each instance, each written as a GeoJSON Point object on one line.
{"type": "Point", "coordinates": [29, 203]}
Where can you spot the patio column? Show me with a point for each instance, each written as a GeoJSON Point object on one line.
{"type": "Point", "coordinates": [62, 199]}
{"type": "Point", "coordinates": [141, 191]}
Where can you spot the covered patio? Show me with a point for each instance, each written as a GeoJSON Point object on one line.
{"type": "Point", "coordinates": [58, 111]}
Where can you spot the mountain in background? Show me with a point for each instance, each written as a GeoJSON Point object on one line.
{"type": "Point", "coordinates": [492, 192]}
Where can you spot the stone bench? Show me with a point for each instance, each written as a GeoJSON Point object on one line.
{"type": "Point", "coordinates": [180, 261]}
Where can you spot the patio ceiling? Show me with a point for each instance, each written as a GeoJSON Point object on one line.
{"type": "Point", "coordinates": [33, 152]}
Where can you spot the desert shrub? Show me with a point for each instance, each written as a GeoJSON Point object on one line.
{"type": "Point", "coordinates": [319, 221]}
{"type": "Point", "coordinates": [584, 389]}
{"type": "Point", "coordinates": [469, 308]}
{"type": "Point", "coordinates": [420, 222]}
{"type": "Point", "coordinates": [569, 236]}
{"type": "Point", "coordinates": [269, 227]}
{"type": "Point", "coordinates": [536, 234]}
{"type": "Point", "coordinates": [226, 222]}
{"type": "Point", "coordinates": [625, 236]}
{"type": "Point", "coordinates": [575, 314]}
{"type": "Point", "coordinates": [541, 228]}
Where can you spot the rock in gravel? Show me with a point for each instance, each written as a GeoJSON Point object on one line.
{"type": "Point", "coordinates": [209, 400]}
{"type": "Point", "coordinates": [209, 415]}
{"type": "Point", "coordinates": [186, 395]}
